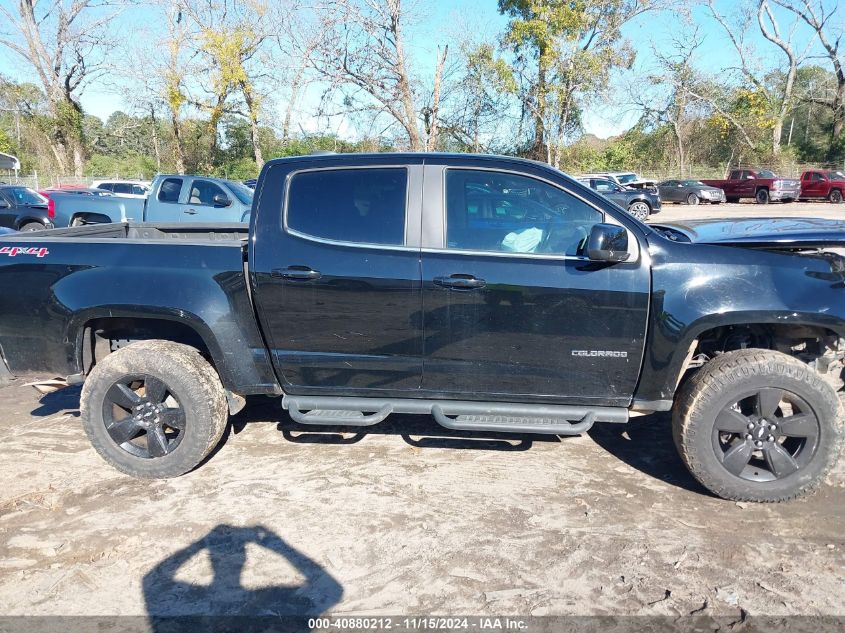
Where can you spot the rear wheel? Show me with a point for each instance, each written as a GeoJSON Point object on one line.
{"type": "Point", "coordinates": [639, 210]}
{"type": "Point", "coordinates": [692, 199]}
{"type": "Point", "coordinates": [762, 196]}
{"type": "Point", "coordinates": [32, 226]}
{"type": "Point", "coordinates": [154, 409]}
{"type": "Point", "coordinates": [835, 196]}
{"type": "Point", "coordinates": [757, 425]}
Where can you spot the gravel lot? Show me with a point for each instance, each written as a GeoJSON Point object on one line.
{"type": "Point", "coordinates": [407, 518]}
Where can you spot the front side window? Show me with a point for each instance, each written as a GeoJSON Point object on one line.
{"type": "Point", "coordinates": [366, 206]}
{"type": "Point", "coordinates": [170, 190]}
{"type": "Point", "coordinates": [203, 192]}
{"type": "Point", "coordinates": [501, 212]}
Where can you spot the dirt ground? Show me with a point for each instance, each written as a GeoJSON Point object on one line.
{"type": "Point", "coordinates": [406, 518]}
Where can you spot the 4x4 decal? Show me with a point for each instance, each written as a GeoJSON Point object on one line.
{"type": "Point", "coordinates": [14, 251]}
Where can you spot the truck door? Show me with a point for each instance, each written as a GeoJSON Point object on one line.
{"type": "Point", "coordinates": [207, 202]}
{"type": "Point", "coordinates": [336, 273]}
{"type": "Point", "coordinates": [163, 204]}
{"type": "Point", "coordinates": [512, 308]}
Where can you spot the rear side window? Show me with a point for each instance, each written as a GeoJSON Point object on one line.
{"type": "Point", "coordinates": [138, 190]}
{"type": "Point", "coordinates": [366, 206]}
{"type": "Point", "coordinates": [122, 187]}
{"type": "Point", "coordinates": [170, 189]}
{"type": "Point", "coordinates": [108, 186]}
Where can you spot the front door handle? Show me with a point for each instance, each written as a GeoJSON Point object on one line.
{"type": "Point", "coordinates": [191, 211]}
{"type": "Point", "coordinates": [460, 282]}
{"type": "Point", "coordinates": [298, 273]}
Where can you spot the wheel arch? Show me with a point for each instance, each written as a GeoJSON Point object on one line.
{"type": "Point", "coordinates": [92, 332]}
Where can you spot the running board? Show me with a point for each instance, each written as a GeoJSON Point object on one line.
{"type": "Point", "coordinates": [453, 414]}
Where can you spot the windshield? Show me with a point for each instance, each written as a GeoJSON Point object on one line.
{"type": "Point", "coordinates": [626, 178]}
{"type": "Point", "coordinates": [241, 191]}
{"type": "Point", "coordinates": [25, 195]}
{"type": "Point", "coordinates": [765, 173]}
{"type": "Point", "coordinates": [836, 175]}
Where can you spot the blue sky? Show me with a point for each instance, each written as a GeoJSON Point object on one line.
{"type": "Point", "coordinates": [480, 19]}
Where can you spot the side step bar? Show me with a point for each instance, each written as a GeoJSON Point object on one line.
{"type": "Point", "coordinates": [453, 414]}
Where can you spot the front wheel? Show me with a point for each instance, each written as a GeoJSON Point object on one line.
{"type": "Point", "coordinates": [757, 425]}
{"type": "Point", "coordinates": [835, 196]}
{"type": "Point", "coordinates": [153, 409]}
{"type": "Point", "coordinates": [692, 199]}
{"type": "Point", "coordinates": [762, 196]}
{"type": "Point", "coordinates": [639, 210]}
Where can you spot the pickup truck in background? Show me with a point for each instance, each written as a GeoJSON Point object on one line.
{"type": "Point", "coordinates": [823, 184]}
{"type": "Point", "coordinates": [494, 294]}
{"type": "Point", "coordinates": [762, 185]}
{"type": "Point", "coordinates": [172, 198]}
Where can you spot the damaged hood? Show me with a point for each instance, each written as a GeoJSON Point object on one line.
{"type": "Point", "coordinates": [777, 232]}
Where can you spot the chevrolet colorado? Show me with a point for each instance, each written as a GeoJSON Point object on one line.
{"type": "Point", "coordinates": [492, 293]}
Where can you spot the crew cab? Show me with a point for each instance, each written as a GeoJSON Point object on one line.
{"type": "Point", "coordinates": [823, 184]}
{"type": "Point", "coordinates": [172, 198]}
{"type": "Point", "coordinates": [491, 293]}
{"type": "Point", "coordinates": [761, 184]}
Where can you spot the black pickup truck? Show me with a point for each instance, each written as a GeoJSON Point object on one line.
{"type": "Point", "coordinates": [491, 293]}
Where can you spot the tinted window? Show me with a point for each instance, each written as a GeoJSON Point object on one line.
{"type": "Point", "coordinates": [735, 175]}
{"type": "Point", "coordinates": [203, 192]}
{"type": "Point", "coordinates": [107, 186]}
{"type": "Point", "coordinates": [351, 205]}
{"type": "Point", "coordinates": [122, 187]}
{"type": "Point", "coordinates": [138, 190]}
{"type": "Point", "coordinates": [170, 189]}
{"type": "Point", "coordinates": [495, 211]}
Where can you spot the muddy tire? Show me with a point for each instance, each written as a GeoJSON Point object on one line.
{"type": "Point", "coordinates": [154, 409]}
{"type": "Point", "coordinates": [757, 425]}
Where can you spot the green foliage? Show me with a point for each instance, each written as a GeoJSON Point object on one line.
{"type": "Point", "coordinates": [128, 166]}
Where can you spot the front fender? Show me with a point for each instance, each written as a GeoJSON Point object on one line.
{"type": "Point", "coordinates": [698, 287]}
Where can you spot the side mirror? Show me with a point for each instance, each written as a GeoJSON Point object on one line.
{"type": "Point", "coordinates": [221, 200]}
{"type": "Point", "coordinates": [608, 243]}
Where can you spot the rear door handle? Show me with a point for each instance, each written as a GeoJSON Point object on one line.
{"type": "Point", "coordinates": [460, 282]}
{"type": "Point", "coordinates": [298, 273]}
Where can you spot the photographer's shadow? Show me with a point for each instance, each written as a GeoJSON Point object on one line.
{"type": "Point", "coordinates": [169, 598]}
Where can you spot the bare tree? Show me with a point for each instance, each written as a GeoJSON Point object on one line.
{"type": "Point", "coordinates": [830, 29]}
{"type": "Point", "coordinates": [63, 42]}
{"type": "Point", "coordinates": [781, 100]}
{"type": "Point", "coordinates": [365, 49]}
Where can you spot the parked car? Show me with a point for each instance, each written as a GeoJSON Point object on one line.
{"type": "Point", "coordinates": [761, 184]}
{"type": "Point", "coordinates": [627, 179]}
{"type": "Point", "coordinates": [355, 296]}
{"type": "Point", "coordinates": [173, 198]}
{"type": "Point", "coordinates": [24, 209]}
{"type": "Point", "coordinates": [638, 202]}
{"type": "Point", "coordinates": [690, 192]}
{"type": "Point", "coordinates": [124, 188]}
{"type": "Point", "coordinates": [827, 185]}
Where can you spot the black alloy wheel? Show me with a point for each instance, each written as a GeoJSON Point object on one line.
{"type": "Point", "coordinates": [766, 435]}
{"type": "Point", "coordinates": [143, 416]}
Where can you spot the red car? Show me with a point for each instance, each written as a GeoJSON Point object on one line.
{"type": "Point", "coordinates": [761, 184]}
{"type": "Point", "coordinates": [827, 185]}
